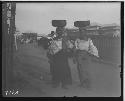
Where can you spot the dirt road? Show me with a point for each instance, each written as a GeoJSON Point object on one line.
{"type": "Point", "coordinates": [32, 76]}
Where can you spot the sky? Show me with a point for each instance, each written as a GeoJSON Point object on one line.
{"type": "Point", "coordinates": [37, 17]}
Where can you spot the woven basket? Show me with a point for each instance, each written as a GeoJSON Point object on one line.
{"type": "Point", "coordinates": [81, 23]}
{"type": "Point", "coordinates": [58, 23]}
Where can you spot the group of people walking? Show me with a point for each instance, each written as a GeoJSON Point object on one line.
{"type": "Point", "coordinates": [60, 49]}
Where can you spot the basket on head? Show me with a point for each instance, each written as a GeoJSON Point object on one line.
{"type": "Point", "coordinates": [81, 23]}
{"type": "Point", "coordinates": [58, 23]}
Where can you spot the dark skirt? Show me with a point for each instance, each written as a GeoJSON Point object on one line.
{"type": "Point", "coordinates": [61, 70]}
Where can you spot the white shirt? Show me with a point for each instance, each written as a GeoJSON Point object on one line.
{"type": "Point", "coordinates": [82, 44]}
{"type": "Point", "coordinates": [87, 46]}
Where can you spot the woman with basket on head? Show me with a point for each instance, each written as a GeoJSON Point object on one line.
{"type": "Point", "coordinates": [60, 68]}
{"type": "Point", "coordinates": [83, 48]}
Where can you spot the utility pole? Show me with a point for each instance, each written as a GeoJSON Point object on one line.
{"type": "Point", "coordinates": [8, 30]}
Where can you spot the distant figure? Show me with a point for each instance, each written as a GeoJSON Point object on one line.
{"type": "Point", "coordinates": [116, 34]}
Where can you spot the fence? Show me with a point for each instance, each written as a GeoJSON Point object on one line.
{"type": "Point", "coordinates": [109, 47]}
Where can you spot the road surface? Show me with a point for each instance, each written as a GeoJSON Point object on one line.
{"type": "Point", "coordinates": [32, 77]}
